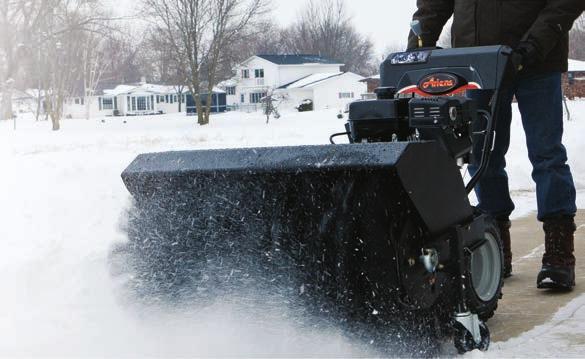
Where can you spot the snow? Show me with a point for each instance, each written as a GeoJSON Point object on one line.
{"type": "Point", "coordinates": [146, 89]}
{"type": "Point", "coordinates": [561, 337]}
{"type": "Point", "coordinates": [576, 66]}
{"type": "Point", "coordinates": [313, 79]}
{"type": "Point", "coordinates": [61, 203]}
{"type": "Point", "coordinates": [120, 90]}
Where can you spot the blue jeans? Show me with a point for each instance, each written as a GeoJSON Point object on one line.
{"type": "Point", "coordinates": [540, 102]}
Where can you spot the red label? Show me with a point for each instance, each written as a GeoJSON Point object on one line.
{"type": "Point", "coordinates": [439, 83]}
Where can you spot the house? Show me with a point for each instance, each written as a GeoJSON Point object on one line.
{"type": "Point", "coordinates": [144, 99]}
{"type": "Point", "coordinates": [325, 90]}
{"type": "Point", "coordinates": [296, 77]}
{"type": "Point", "coordinates": [574, 80]}
{"type": "Point", "coordinates": [372, 82]}
{"type": "Point", "coordinates": [128, 100]}
{"type": "Point", "coordinates": [27, 101]}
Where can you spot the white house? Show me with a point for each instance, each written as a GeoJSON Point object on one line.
{"type": "Point", "coordinates": [297, 77]}
{"type": "Point", "coordinates": [128, 100]}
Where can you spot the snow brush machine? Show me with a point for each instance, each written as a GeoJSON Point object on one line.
{"type": "Point", "coordinates": [365, 234]}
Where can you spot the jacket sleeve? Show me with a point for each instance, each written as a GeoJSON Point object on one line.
{"type": "Point", "coordinates": [552, 24]}
{"type": "Point", "coordinates": [433, 15]}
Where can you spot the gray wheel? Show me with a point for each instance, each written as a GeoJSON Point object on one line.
{"type": "Point", "coordinates": [485, 277]}
{"type": "Point", "coordinates": [486, 262]}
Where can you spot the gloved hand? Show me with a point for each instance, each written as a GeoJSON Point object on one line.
{"type": "Point", "coordinates": [524, 55]}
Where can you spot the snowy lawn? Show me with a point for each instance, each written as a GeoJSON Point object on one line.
{"type": "Point", "coordinates": [61, 198]}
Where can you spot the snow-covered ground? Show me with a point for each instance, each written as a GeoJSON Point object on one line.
{"type": "Point", "coordinates": [61, 198]}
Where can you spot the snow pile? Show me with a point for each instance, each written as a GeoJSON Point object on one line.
{"type": "Point", "coordinates": [61, 200]}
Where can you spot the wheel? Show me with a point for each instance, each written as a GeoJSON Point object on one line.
{"type": "Point", "coordinates": [464, 340]}
{"type": "Point", "coordinates": [486, 269]}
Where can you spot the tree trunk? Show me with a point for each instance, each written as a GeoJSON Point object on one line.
{"type": "Point", "coordinates": [209, 104]}
{"type": "Point", "coordinates": [200, 110]}
{"type": "Point", "coordinates": [55, 112]}
{"type": "Point", "coordinates": [202, 119]}
{"type": "Point", "coordinates": [55, 121]}
{"type": "Point", "coordinates": [6, 105]}
{"type": "Point", "coordinates": [39, 106]}
{"type": "Point", "coordinates": [87, 103]}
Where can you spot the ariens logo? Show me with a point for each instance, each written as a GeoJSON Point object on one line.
{"type": "Point", "coordinates": [439, 83]}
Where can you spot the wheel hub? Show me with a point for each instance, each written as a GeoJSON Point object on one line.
{"type": "Point", "coordinates": [485, 262]}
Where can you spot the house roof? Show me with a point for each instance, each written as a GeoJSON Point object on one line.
{"type": "Point", "coordinates": [316, 79]}
{"type": "Point", "coordinates": [120, 90]}
{"type": "Point", "coordinates": [298, 59]}
{"type": "Point", "coordinates": [23, 95]}
{"type": "Point", "coordinates": [141, 88]}
{"type": "Point", "coordinates": [374, 77]}
{"type": "Point", "coordinates": [228, 83]}
{"type": "Point", "coordinates": [576, 66]}
{"type": "Point", "coordinates": [147, 89]}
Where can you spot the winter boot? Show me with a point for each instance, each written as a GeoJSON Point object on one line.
{"type": "Point", "coordinates": [558, 263]}
{"type": "Point", "coordinates": [504, 226]}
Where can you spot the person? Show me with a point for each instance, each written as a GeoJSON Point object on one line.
{"type": "Point", "coordinates": [538, 33]}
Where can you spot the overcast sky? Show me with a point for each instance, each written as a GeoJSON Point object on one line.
{"type": "Point", "coordinates": [385, 21]}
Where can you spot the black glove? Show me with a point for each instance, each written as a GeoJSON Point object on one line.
{"type": "Point", "coordinates": [525, 55]}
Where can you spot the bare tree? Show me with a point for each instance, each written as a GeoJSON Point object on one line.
{"type": "Point", "coordinates": [70, 27]}
{"type": "Point", "coordinates": [266, 37]}
{"type": "Point", "coordinates": [94, 64]}
{"type": "Point", "coordinates": [270, 105]}
{"type": "Point", "coordinates": [200, 32]}
{"type": "Point", "coordinates": [325, 28]}
{"type": "Point", "coordinates": [124, 57]}
{"type": "Point", "coordinates": [166, 67]}
{"type": "Point", "coordinates": [18, 21]}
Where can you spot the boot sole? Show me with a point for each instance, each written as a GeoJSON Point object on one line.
{"type": "Point", "coordinates": [556, 286]}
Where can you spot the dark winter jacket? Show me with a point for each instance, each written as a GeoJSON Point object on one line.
{"type": "Point", "coordinates": [542, 24]}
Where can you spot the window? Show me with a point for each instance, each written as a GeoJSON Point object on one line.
{"type": "Point", "coordinates": [257, 96]}
{"type": "Point", "coordinates": [115, 103]}
{"type": "Point", "coordinates": [175, 98]}
{"type": "Point", "coordinates": [344, 95]}
{"type": "Point", "coordinates": [259, 73]}
{"type": "Point", "coordinates": [100, 103]}
{"type": "Point", "coordinates": [230, 90]}
{"type": "Point", "coordinates": [141, 103]}
{"type": "Point", "coordinates": [133, 103]}
{"type": "Point", "coordinates": [82, 101]}
{"type": "Point", "coordinates": [128, 103]}
{"type": "Point", "coordinates": [167, 98]}
{"type": "Point", "coordinates": [107, 103]}
{"type": "Point", "coordinates": [77, 101]}
{"type": "Point", "coordinates": [245, 74]}
{"type": "Point", "coordinates": [152, 102]}
{"type": "Point", "coordinates": [242, 98]}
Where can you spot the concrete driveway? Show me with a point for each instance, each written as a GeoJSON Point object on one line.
{"type": "Point", "coordinates": [523, 306]}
